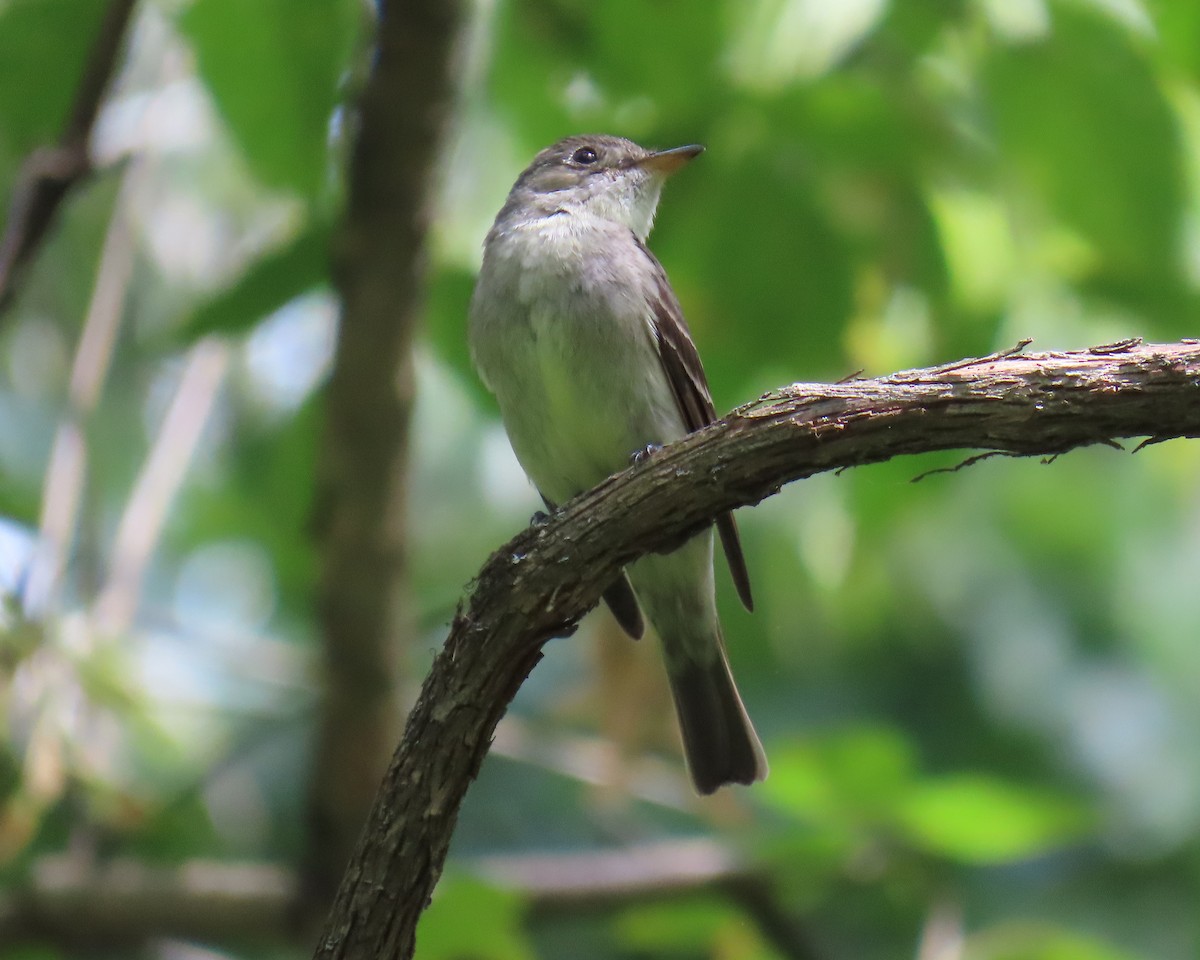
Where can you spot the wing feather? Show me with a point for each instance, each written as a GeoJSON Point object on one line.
{"type": "Point", "coordinates": [685, 373]}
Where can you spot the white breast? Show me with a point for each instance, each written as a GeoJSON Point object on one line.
{"type": "Point", "coordinates": [561, 332]}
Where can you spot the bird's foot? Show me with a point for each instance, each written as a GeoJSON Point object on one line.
{"type": "Point", "coordinates": [565, 631]}
{"type": "Point", "coordinates": [540, 518]}
{"type": "Point", "coordinates": [643, 454]}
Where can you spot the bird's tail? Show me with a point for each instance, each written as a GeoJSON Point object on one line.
{"type": "Point", "coordinates": [718, 738]}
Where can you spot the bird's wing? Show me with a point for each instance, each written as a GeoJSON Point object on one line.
{"type": "Point", "coordinates": [685, 373]}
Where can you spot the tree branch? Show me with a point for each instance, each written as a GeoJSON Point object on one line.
{"type": "Point", "coordinates": [126, 903]}
{"type": "Point", "coordinates": [72, 901]}
{"type": "Point", "coordinates": [49, 173]}
{"type": "Point", "coordinates": [541, 582]}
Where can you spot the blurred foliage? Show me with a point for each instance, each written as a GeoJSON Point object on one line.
{"type": "Point", "coordinates": [980, 693]}
{"type": "Point", "coordinates": [38, 33]}
{"type": "Point", "coordinates": [470, 919]}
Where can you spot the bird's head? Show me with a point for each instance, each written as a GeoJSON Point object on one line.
{"type": "Point", "coordinates": [602, 176]}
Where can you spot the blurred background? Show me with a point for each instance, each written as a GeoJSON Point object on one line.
{"type": "Point", "coordinates": [979, 693]}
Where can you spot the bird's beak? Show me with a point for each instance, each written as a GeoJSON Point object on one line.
{"type": "Point", "coordinates": [667, 162]}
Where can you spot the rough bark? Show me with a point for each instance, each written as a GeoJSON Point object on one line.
{"type": "Point", "coordinates": [380, 274]}
{"type": "Point", "coordinates": [540, 583]}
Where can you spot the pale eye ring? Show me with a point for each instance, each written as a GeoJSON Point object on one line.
{"type": "Point", "coordinates": [584, 155]}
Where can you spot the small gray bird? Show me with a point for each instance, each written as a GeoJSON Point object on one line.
{"type": "Point", "coordinates": [576, 330]}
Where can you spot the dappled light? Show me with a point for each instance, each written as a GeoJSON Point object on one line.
{"type": "Point", "coordinates": [248, 475]}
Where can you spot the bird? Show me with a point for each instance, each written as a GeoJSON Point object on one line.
{"type": "Point", "coordinates": [576, 330]}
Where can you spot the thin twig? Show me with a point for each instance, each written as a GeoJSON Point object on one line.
{"type": "Point", "coordinates": [962, 464]}
{"type": "Point", "coordinates": [159, 482]}
{"type": "Point", "coordinates": [990, 358]}
{"type": "Point", "coordinates": [67, 468]}
{"type": "Point", "coordinates": [49, 173]}
{"type": "Point", "coordinates": [68, 899]}
{"type": "Point", "coordinates": [665, 866]}
{"type": "Point", "coordinates": [1118, 346]}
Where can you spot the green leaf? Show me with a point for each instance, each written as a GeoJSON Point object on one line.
{"type": "Point", "coordinates": [1178, 23]}
{"type": "Point", "coordinates": [741, 233]}
{"type": "Point", "coordinates": [1084, 119]}
{"type": "Point", "coordinates": [31, 951]}
{"type": "Point", "coordinates": [43, 46]}
{"type": "Point", "coordinates": [978, 819]}
{"type": "Point", "coordinates": [561, 66]}
{"type": "Point", "coordinates": [682, 68]}
{"type": "Point", "coordinates": [700, 926]}
{"type": "Point", "coordinates": [1034, 941]}
{"type": "Point", "coordinates": [851, 777]}
{"type": "Point", "coordinates": [271, 282]}
{"type": "Point", "coordinates": [690, 923]}
{"type": "Point", "coordinates": [468, 918]}
{"type": "Point", "coordinates": [273, 68]}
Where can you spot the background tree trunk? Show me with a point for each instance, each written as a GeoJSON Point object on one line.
{"type": "Point", "coordinates": [380, 272]}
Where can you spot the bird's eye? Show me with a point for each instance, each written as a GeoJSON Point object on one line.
{"type": "Point", "coordinates": [584, 155]}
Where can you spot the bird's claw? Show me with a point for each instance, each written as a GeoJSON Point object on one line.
{"type": "Point", "coordinates": [641, 455]}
